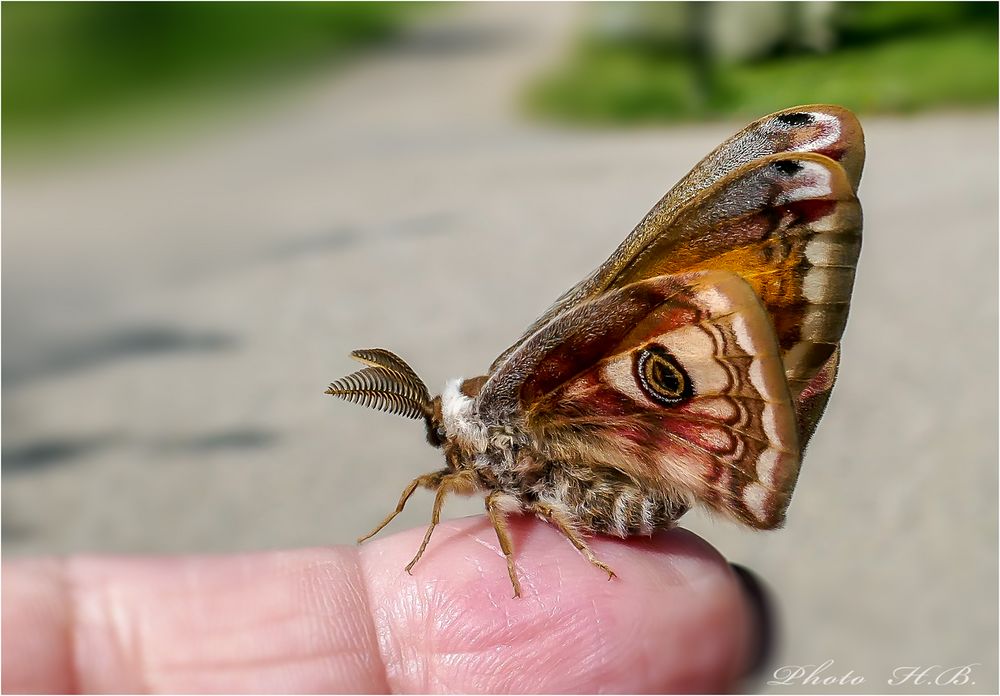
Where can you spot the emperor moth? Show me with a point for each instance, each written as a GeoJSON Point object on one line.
{"type": "Point", "coordinates": [691, 367]}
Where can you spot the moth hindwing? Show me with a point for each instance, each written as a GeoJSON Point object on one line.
{"type": "Point", "coordinates": [692, 367]}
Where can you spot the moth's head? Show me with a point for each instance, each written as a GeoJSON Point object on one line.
{"type": "Point", "coordinates": [436, 434]}
{"type": "Point", "coordinates": [389, 384]}
{"type": "Point", "coordinates": [461, 426]}
{"type": "Point", "coordinates": [453, 422]}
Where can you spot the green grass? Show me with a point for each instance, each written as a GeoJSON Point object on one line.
{"type": "Point", "coordinates": [902, 70]}
{"type": "Point", "coordinates": [72, 69]}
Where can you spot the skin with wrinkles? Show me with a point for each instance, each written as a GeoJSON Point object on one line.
{"type": "Point", "coordinates": [341, 619]}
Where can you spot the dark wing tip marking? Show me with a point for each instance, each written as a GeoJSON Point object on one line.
{"type": "Point", "coordinates": [787, 167]}
{"type": "Point", "coordinates": [795, 119]}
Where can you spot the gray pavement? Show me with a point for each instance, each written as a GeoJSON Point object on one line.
{"type": "Point", "coordinates": [172, 315]}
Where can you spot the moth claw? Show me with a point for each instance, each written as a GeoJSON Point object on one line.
{"type": "Point", "coordinates": [517, 586]}
{"type": "Point", "coordinates": [607, 569]}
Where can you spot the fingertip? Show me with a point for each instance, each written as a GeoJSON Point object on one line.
{"type": "Point", "coordinates": [674, 617]}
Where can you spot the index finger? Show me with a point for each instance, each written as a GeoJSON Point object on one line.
{"type": "Point", "coordinates": [336, 619]}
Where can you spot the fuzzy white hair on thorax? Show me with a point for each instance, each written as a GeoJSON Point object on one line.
{"type": "Point", "coordinates": [461, 421]}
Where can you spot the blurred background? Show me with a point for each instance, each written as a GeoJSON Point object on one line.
{"type": "Point", "coordinates": [207, 206]}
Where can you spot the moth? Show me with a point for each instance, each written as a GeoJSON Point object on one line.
{"type": "Point", "coordinates": [691, 367]}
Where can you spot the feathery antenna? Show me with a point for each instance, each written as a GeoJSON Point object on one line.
{"type": "Point", "coordinates": [379, 357]}
{"type": "Point", "coordinates": [388, 384]}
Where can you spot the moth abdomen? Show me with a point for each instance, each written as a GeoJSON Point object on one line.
{"type": "Point", "coordinates": [607, 501]}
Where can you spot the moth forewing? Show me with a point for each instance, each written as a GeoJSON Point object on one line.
{"type": "Point", "coordinates": [824, 129]}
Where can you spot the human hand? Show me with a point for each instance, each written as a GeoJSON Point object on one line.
{"type": "Point", "coordinates": [344, 619]}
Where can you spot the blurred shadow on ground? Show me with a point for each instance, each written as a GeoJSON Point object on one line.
{"type": "Point", "coordinates": [88, 353]}
{"type": "Point", "coordinates": [346, 237]}
{"type": "Point", "coordinates": [55, 451]}
{"type": "Point", "coordinates": [235, 439]}
{"type": "Point", "coordinates": [49, 452]}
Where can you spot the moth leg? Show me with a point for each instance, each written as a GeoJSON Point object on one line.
{"type": "Point", "coordinates": [430, 481]}
{"type": "Point", "coordinates": [563, 524]}
{"type": "Point", "coordinates": [461, 482]}
{"type": "Point", "coordinates": [494, 509]}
